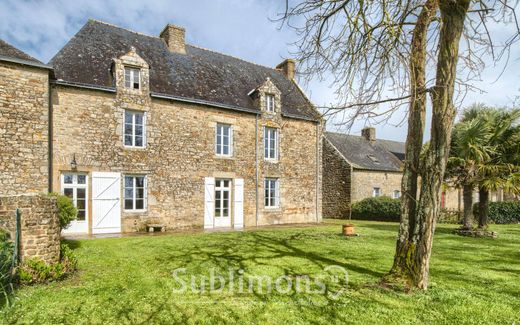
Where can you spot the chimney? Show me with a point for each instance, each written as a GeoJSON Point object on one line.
{"type": "Point", "coordinates": [174, 38]}
{"type": "Point", "coordinates": [369, 133]}
{"type": "Point", "coordinates": [288, 68]}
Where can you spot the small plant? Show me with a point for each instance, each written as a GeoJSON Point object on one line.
{"type": "Point", "coordinates": [66, 209]}
{"type": "Point", "coordinates": [35, 270]}
{"type": "Point", "coordinates": [381, 208]}
{"type": "Point", "coordinates": [6, 266]}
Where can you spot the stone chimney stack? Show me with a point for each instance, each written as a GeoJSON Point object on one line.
{"type": "Point", "coordinates": [288, 67]}
{"type": "Point", "coordinates": [174, 38]}
{"type": "Point", "coordinates": [369, 133]}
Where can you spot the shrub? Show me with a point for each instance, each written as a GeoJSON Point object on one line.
{"type": "Point", "coordinates": [381, 208]}
{"type": "Point", "coordinates": [66, 209]}
{"type": "Point", "coordinates": [502, 212]}
{"type": "Point", "coordinates": [6, 269]}
{"type": "Point", "coordinates": [35, 270]}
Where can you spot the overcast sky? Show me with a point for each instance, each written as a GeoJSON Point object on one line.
{"type": "Point", "coordinates": [241, 28]}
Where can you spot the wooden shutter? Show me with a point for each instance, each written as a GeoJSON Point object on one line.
{"type": "Point", "coordinates": [239, 204]}
{"type": "Point", "coordinates": [209, 202]}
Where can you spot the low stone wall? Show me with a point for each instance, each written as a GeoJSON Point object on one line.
{"type": "Point", "coordinates": [40, 235]}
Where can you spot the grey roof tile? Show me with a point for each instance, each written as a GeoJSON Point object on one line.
{"type": "Point", "coordinates": [10, 51]}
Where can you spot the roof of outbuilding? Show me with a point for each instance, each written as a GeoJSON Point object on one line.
{"type": "Point", "coordinates": [199, 74]}
{"type": "Point", "coordinates": [9, 51]}
{"type": "Point", "coordinates": [362, 154]}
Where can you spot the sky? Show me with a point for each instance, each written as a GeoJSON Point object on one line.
{"type": "Point", "coordinates": [241, 28]}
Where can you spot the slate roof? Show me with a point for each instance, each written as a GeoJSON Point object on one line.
{"type": "Point", "coordinates": [396, 147]}
{"type": "Point", "coordinates": [199, 74]}
{"type": "Point", "coordinates": [362, 154]}
{"type": "Point", "coordinates": [9, 51]}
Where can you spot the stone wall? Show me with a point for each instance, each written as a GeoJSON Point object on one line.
{"type": "Point", "coordinates": [40, 228]}
{"type": "Point", "coordinates": [180, 153]}
{"type": "Point", "coordinates": [364, 181]}
{"type": "Point", "coordinates": [23, 129]}
{"type": "Point", "coordinates": [336, 183]}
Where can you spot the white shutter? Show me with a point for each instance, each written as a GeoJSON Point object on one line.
{"type": "Point", "coordinates": [209, 202]}
{"type": "Point", "coordinates": [231, 144]}
{"type": "Point", "coordinates": [239, 204]}
{"type": "Point", "coordinates": [277, 192]}
{"type": "Point", "coordinates": [106, 202]}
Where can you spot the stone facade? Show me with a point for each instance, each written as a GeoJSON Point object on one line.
{"type": "Point", "coordinates": [40, 227]}
{"type": "Point", "coordinates": [336, 184]}
{"type": "Point", "coordinates": [180, 152]}
{"type": "Point", "coordinates": [23, 129]}
{"type": "Point", "coordinates": [364, 182]}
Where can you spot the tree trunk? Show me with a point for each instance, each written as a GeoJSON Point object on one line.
{"type": "Point", "coordinates": [467, 194]}
{"type": "Point", "coordinates": [412, 258]}
{"type": "Point", "coordinates": [483, 207]}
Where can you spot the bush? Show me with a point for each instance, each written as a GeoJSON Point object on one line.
{"type": "Point", "coordinates": [35, 270]}
{"type": "Point", "coordinates": [6, 270]}
{"type": "Point", "coordinates": [66, 209]}
{"type": "Point", "coordinates": [381, 208]}
{"type": "Point", "coordinates": [502, 212]}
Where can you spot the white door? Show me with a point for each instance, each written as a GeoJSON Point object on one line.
{"type": "Point", "coordinates": [75, 186]}
{"type": "Point", "coordinates": [106, 203]}
{"type": "Point", "coordinates": [238, 217]}
{"type": "Point", "coordinates": [222, 203]}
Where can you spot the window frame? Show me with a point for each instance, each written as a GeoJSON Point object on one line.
{"type": "Point", "coordinates": [132, 77]}
{"type": "Point", "coordinates": [75, 185]}
{"type": "Point", "coordinates": [223, 189]}
{"type": "Point", "coordinates": [270, 103]}
{"type": "Point", "coordinates": [134, 193]}
{"type": "Point", "coordinates": [221, 136]}
{"type": "Point", "coordinates": [376, 192]}
{"type": "Point", "coordinates": [398, 192]}
{"type": "Point", "coordinates": [267, 143]}
{"type": "Point", "coordinates": [268, 193]}
{"type": "Point", "coordinates": [133, 124]}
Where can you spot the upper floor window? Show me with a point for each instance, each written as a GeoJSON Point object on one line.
{"type": "Point", "coordinates": [271, 143]}
{"type": "Point", "coordinates": [269, 102]}
{"type": "Point", "coordinates": [272, 193]}
{"type": "Point", "coordinates": [376, 192]}
{"type": "Point", "coordinates": [135, 193]}
{"type": "Point", "coordinates": [224, 140]}
{"type": "Point", "coordinates": [132, 78]}
{"type": "Point", "coordinates": [134, 129]}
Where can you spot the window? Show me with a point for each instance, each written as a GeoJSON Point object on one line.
{"type": "Point", "coordinates": [271, 143]}
{"type": "Point", "coordinates": [132, 78]}
{"type": "Point", "coordinates": [272, 193]}
{"type": "Point", "coordinates": [222, 196]}
{"type": "Point", "coordinates": [135, 193]}
{"type": "Point", "coordinates": [134, 129]}
{"type": "Point", "coordinates": [224, 140]}
{"type": "Point", "coordinates": [269, 102]}
{"type": "Point", "coordinates": [376, 192]}
{"type": "Point", "coordinates": [75, 187]}
{"type": "Point", "coordinates": [397, 194]}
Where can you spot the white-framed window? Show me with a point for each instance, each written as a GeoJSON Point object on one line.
{"type": "Point", "coordinates": [269, 99]}
{"type": "Point", "coordinates": [397, 194]}
{"type": "Point", "coordinates": [134, 129]}
{"type": "Point", "coordinates": [75, 187]}
{"type": "Point", "coordinates": [272, 193]}
{"type": "Point", "coordinates": [224, 140]}
{"type": "Point", "coordinates": [132, 78]}
{"type": "Point", "coordinates": [376, 192]}
{"type": "Point", "coordinates": [222, 198]}
{"type": "Point", "coordinates": [271, 143]}
{"type": "Point", "coordinates": [135, 192]}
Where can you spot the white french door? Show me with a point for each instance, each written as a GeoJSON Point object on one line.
{"type": "Point", "coordinates": [75, 186]}
{"type": "Point", "coordinates": [222, 203]}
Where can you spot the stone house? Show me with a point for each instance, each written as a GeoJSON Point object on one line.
{"type": "Point", "coordinates": [142, 130]}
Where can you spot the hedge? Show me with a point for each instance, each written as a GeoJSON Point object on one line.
{"type": "Point", "coordinates": [381, 208]}
{"type": "Point", "coordinates": [502, 212]}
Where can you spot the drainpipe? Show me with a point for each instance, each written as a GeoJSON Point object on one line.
{"type": "Point", "coordinates": [317, 170]}
{"type": "Point", "coordinates": [50, 135]}
{"type": "Point", "coordinates": [256, 168]}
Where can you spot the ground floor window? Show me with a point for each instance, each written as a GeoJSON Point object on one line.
{"type": "Point", "coordinates": [376, 192]}
{"type": "Point", "coordinates": [135, 192]}
{"type": "Point", "coordinates": [222, 197]}
{"type": "Point", "coordinates": [74, 186]}
{"type": "Point", "coordinates": [272, 193]}
{"type": "Point", "coordinates": [397, 194]}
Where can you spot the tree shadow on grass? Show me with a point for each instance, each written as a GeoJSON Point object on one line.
{"type": "Point", "coordinates": [73, 244]}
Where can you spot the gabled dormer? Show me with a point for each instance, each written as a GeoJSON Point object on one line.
{"type": "Point", "coordinates": [267, 97]}
{"type": "Point", "coordinates": [132, 75]}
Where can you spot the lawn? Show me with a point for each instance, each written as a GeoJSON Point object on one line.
{"type": "Point", "coordinates": [129, 280]}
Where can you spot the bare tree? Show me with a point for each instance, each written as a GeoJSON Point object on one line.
{"type": "Point", "coordinates": [380, 52]}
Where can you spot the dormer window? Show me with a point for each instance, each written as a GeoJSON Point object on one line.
{"type": "Point", "coordinates": [269, 98]}
{"type": "Point", "coordinates": [132, 78]}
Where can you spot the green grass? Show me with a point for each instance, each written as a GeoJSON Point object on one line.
{"type": "Point", "coordinates": [129, 280]}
